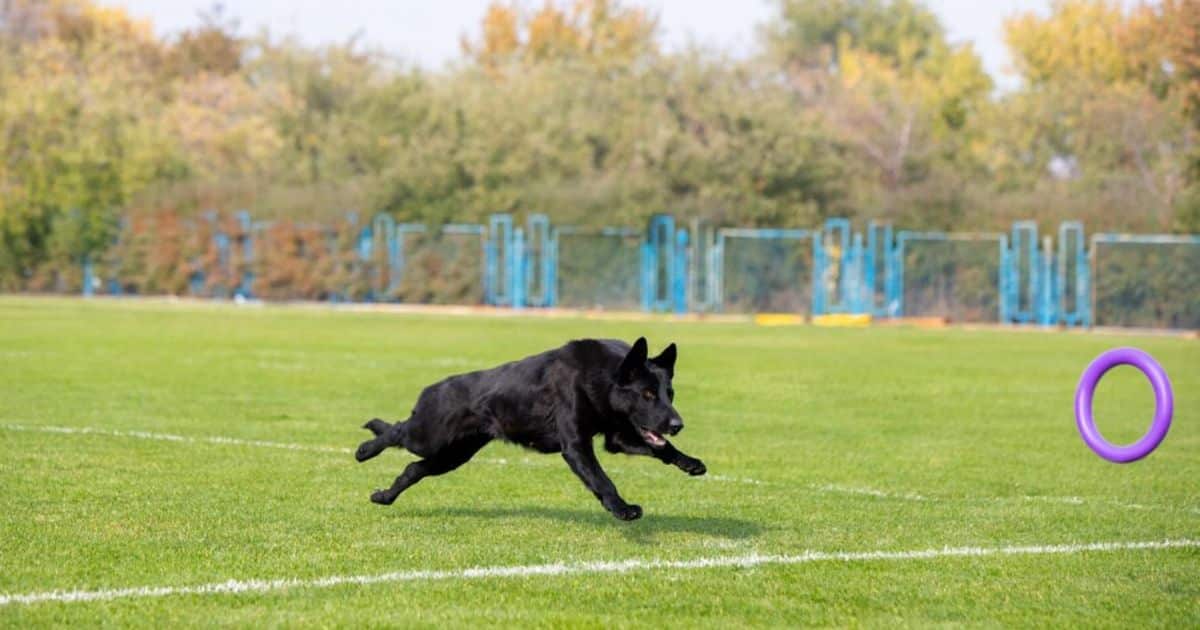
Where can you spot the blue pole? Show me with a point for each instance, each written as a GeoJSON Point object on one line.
{"type": "Point", "coordinates": [818, 273]}
{"type": "Point", "coordinates": [1046, 316]}
{"type": "Point", "coordinates": [681, 272]}
{"type": "Point", "coordinates": [88, 290]}
{"type": "Point", "coordinates": [877, 259]}
{"type": "Point", "coordinates": [1025, 286]}
{"type": "Point", "coordinates": [552, 268]}
{"type": "Point", "coordinates": [893, 291]}
{"type": "Point", "coordinates": [1005, 274]}
{"type": "Point", "coordinates": [717, 274]}
{"type": "Point", "coordinates": [498, 280]}
{"type": "Point", "coordinates": [516, 261]}
{"type": "Point", "coordinates": [247, 284]}
{"type": "Point", "coordinates": [854, 298]}
{"type": "Point", "coordinates": [647, 274]}
{"type": "Point", "coordinates": [1083, 282]}
{"type": "Point", "coordinates": [898, 266]}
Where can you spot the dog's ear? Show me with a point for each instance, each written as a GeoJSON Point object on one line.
{"type": "Point", "coordinates": [634, 360]}
{"type": "Point", "coordinates": [666, 359]}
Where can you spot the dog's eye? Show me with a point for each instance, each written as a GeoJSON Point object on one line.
{"type": "Point", "coordinates": [647, 394]}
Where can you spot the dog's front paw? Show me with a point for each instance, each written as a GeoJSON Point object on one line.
{"type": "Point", "coordinates": [691, 466]}
{"type": "Point", "coordinates": [382, 497]}
{"type": "Point", "coordinates": [628, 512]}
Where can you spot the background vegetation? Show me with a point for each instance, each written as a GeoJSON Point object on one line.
{"type": "Point", "coordinates": [858, 108]}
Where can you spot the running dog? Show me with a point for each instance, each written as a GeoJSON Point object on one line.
{"type": "Point", "coordinates": [553, 402]}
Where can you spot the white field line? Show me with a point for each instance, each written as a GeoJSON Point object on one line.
{"type": "Point", "coordinates": [526, 461]}
{"type": "Point", "coordinates": [217, 439]}
{"type": "Point", "coordinates": [578, 568]}
{"type": "Point", "coordinates": [168, 437]}
{"type": "Point", "coordinates": [728, 479]}
{"type": "Point", "coordinates": [882, 494]}
{"type": "Point", "coordinates": [502, 461]}
{"type": "Point", "coordinates": [1065, 500]}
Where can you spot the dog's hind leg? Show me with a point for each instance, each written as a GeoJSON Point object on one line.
{"type": "Point", "coordinates": [445, 461]}
{"type": "Point", "coordinates": [385, 435]}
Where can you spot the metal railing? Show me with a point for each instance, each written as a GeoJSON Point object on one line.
{"type": "Point", "coordinates": [1110, 279]}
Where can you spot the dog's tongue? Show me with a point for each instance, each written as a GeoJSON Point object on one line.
{"type": "Point", "coordinates": [653, 438]}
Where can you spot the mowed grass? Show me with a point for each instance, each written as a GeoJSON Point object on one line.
{"type": "Point", "coordinates": [815, 440]}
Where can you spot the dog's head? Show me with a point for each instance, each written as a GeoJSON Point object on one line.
{"type": "Point", "coordinates": [643, 393]}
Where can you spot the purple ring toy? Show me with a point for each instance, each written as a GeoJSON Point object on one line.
{"type": "Point", "coordinates": [1163, 405]}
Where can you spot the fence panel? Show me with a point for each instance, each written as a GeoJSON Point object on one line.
{"type": "Point", "coordinates": [599, 268]}
{"type": "Point", "coordinates": [443, 266]}
{"type": "Point", "coordinates": [1111, 279]}
{"type": "Point", "coordinates": [956, 276]}
{"type": "Point", "coordinates": [1146, 280]}
{"type": "Point", "coordinates": [766, 270]}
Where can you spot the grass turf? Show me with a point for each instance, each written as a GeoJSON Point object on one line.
{"type": "Point", "coordinates": [825, 440]}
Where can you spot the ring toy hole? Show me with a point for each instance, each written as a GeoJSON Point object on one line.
{"type": "Point", "coordinates": [1123, 405]}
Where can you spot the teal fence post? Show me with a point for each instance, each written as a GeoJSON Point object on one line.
{"type": "Point", "coordinates": [854, 294]}
{"type": "Point", "coordinates": [1046, 284]}
{"type": "Point", "coordinates": [699, 267]}
{"type": "Point", "coordinates": [1083, 283]}
{"type": "Point", "coordinates": [657, 254]}
{"type": "Point", "coordinates": [1023, 287]}
{"type": "Point", "coordinates": [88, 277]}
{"type": "Point", "coordinates": [1071, 251]}
{"type": "Point", "coordinates": [538, 262]}
{"type": "Point", "coordinates": [901, 241]}
{"type": "Point", "coordinates": [680, 280]}
{"type": "Point", "coordinates": [246, 286]}
{"type": "Point", "coordinates": [833, 280]}
{"type": "Point", "coordinates": [716, 272]}
{"type": "Point", "coordinates": [1006, 274]}
{"type": "Point", "coordinates": [498, 260]}
{"type": "Point", "coordinates": [877, 259]}
{"type": "Point", "coordinates": [818, 273]}
{"type": "Point", "coordinates": [516, 261]}
{"type": "Point", "coordinates": [384, 227]}
{"type": "Point", "coordinates": [552, 267]}
{"type": "Point", "coordinates": [893, 276]}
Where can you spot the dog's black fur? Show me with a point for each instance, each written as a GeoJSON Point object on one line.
{"type": "Point", "coordinates": [556, 401]}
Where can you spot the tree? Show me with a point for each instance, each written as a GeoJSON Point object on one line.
{"type": "Point", "coordinates": [811, 34]}
{"type": "Point", "coordinates": [901, 99]}
{"type": "Point", "coordinates": [599, 32]}
{"type": "Point", "coordinates": [80, 120]}
{"type": "Point", "coordinates": [1108, 108]}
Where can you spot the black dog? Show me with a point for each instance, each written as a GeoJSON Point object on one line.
{"type": "Point", "coordinates": [556, 401]}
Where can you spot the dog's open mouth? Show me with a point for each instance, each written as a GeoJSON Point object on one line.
{"type": "Point", "coordinates": [652, 438]}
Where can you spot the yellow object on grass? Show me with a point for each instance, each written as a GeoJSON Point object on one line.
{"type": "Point", "coordinates": [778, 319]}
{"type": "Point", "coordinates": [843, 320]}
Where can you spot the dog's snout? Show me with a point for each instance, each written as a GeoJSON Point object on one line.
{"type": "Point", "coordinates": [675, 426]}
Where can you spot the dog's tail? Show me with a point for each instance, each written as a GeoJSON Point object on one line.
{"type": "Point", "coordinates": [377, 426]}
{"type": "Point", "coordinates": [385, 435]}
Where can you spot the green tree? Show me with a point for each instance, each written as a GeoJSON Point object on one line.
{"type": "Point", "coordinates": [600, 32]}
{"type": "Point", "coordinates": [903, 101]}
{"type": "Point", "coordinates": [1100, 119]}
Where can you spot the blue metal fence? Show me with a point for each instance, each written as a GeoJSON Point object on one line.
{"type": "Point", "coordinates": [1118, 279]}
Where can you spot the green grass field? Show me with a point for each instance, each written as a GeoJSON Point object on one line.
{"type": "Point", "coordinates": [816, 440]}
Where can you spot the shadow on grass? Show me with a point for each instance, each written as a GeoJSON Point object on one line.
{"type": "Point", "coordinates": [641, 530]}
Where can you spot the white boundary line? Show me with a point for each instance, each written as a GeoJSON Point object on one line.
{"type": "Point", "coordinates": [525, 461]}
{"type": "Point", "coordinates": [168, 437]}
{"type": "Point", "coordinates": [872, 492]}
{"type": "Point", "coordinates": [577, 568]}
